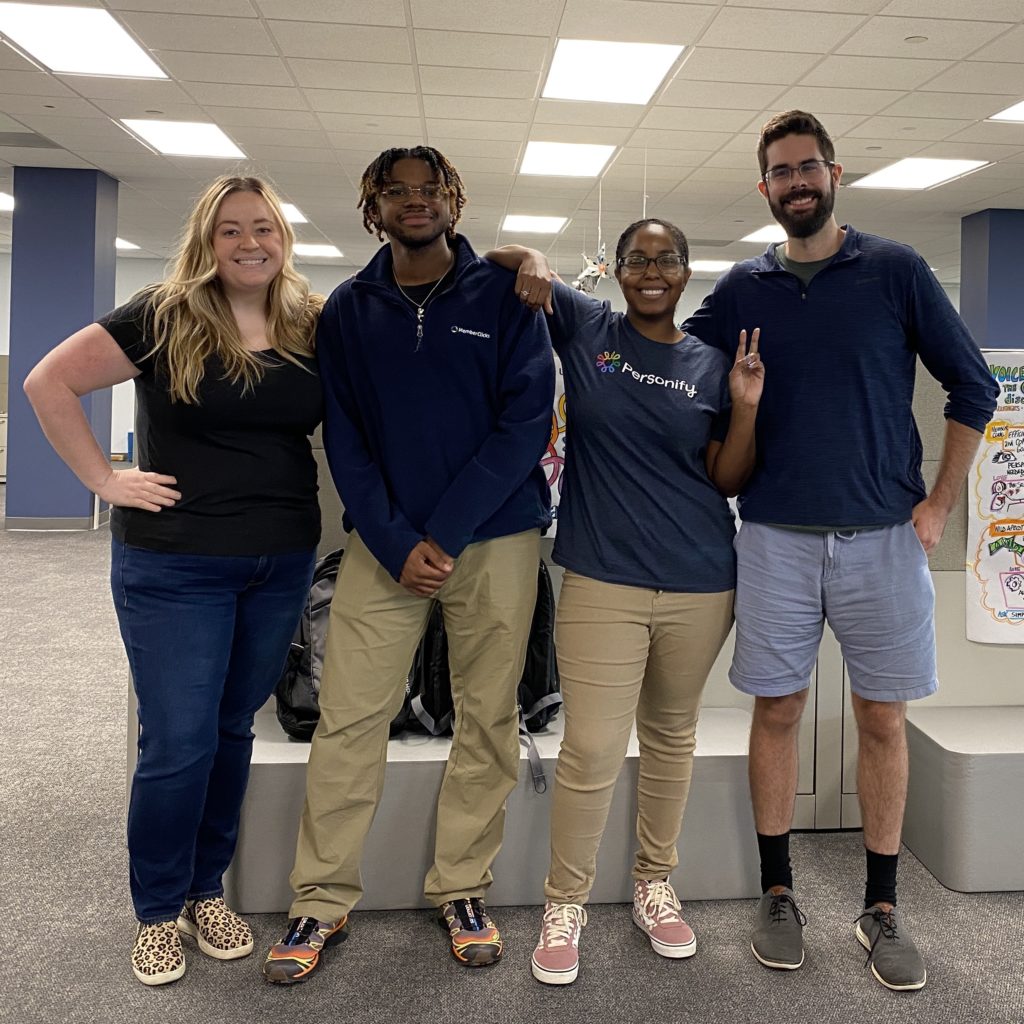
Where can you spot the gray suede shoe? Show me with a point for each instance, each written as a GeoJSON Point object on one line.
{"type": "Point", "coordinates": [778, 931]}
{"type": "Point", "coordinates": [894, 959]}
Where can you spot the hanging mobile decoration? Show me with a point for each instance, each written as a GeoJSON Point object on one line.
{"type": "Point", "coordinates": [596, 267]}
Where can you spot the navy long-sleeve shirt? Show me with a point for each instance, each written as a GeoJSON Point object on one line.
{"type": "Point", "coordinates": [437, 436]}
{"type": "Point", "coordinates": [836, 438]}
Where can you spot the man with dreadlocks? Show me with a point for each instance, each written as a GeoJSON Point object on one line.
{"type": "Point", "coordinates": [438, 389]}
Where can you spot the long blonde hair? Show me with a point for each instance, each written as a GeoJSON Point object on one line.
{"type": "Point", "coordinates": [192, 319]}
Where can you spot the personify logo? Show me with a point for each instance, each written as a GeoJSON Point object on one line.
{"type": "Point", "coordinates": [661, 382]}
{"type": "Point", "coordinates": [465, 330]}
{"type": "Point", "coordinates": [608, 362]}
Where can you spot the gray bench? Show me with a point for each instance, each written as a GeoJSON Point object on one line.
{"type": "Point", "coordinates": [717, 851]}
{"type": "Point", "coordinates": [965, 804]}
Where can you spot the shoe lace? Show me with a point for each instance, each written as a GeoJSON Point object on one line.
{"type": "Point", "coordinates": [561, 923]}
{"type": "Point", "coordinates": [887, 928]}
{"type": "Point", "coordinates": [661, 902]}
{"type": "Point", "coordinates": [782, 904]}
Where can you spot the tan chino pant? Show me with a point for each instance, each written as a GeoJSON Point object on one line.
{"type": "Point", "coordinates": [627, 654]}
{"type": "Point", "coordinates": [375, 627]}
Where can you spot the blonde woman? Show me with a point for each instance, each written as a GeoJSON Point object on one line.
{"type": "Point", "coordinates": [213, 542]}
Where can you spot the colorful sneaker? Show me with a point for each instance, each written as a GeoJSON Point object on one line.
{"type": "Point", "coordinates": [556, 960]}
{"type": "Point", "coordinates": [778, 931]}
{"type": "Point", "coordinates": [476, 942]}
{"type": "Point", "coordinates": [894, 959]}
{"type": "Point", "coordinates": [297, 955]}
{"type": "Point", "coordinates": [221, 933]}
{"type": "Point", "coordinates": [157, 956]}
{"type": "Point", "coordinates": [656, 911]}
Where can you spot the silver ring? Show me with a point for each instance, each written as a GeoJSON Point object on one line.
{"type": "Point", "coordinates": [524, 293]}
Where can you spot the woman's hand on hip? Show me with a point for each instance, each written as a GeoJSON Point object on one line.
{"type": "Point", "coordinates": [135, 488]}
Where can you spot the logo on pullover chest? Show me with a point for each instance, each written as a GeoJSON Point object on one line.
{"type": "Point", "coordinates": [609, 362]}
{"type": "Point", "coordinates": [465, 330]}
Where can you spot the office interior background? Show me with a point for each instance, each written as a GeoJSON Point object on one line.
{"type": "Point", "coordinates": [308, 92]}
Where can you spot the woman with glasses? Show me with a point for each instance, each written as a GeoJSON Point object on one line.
{"type": "Point", "coordinates": [661, 429]}
{"type": "Point", "coordinates": [214, 538]}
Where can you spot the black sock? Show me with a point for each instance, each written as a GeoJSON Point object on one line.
{"type": "Point", "coordinates": [775, 866]}
{"type": "Point", "coordinates": [881, 885]}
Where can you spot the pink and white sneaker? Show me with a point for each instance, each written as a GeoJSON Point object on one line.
{"type": "Point", "coordinates": [556, 960]}
{"type": "Point", "coordinates": [656, 910]}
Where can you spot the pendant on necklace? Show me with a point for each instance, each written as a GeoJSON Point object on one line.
{"type": "Point", "coordinates": [419, 326]}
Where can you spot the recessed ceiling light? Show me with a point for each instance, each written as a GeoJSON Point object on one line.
{"type": "Point", "coordinates": [536, 225]}
{"type": "Point", "coordinates": [1014, 113]}
{"type": "Point", "coordinates": [76, 41]}
{"type": "Point", "coordinates": [120, 243]}
{"type": "Point", "coordinates": [293, 214]}
{"type": "Point", "coordinates": [918, 172]}
{"type": "Point", "coordinates": [565, 159]}
{"type": "Point", "coordinates": [6, 202]}
{"type": "Point", "coordinates": [184, 138]}
{"type": "Point", "coordinates": [580, 68]}
{"type": "Point", "coordinates": [712, 266]}
{"type": "Point", "coordinates": [769, 233]}
{"type": "Point", "coordinates": [323, 251]}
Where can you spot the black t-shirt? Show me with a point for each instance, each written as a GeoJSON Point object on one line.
{"type": "Point", "coordinates": [243, 462]}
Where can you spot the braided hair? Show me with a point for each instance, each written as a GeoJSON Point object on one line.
{"type": "Point", "coordinates": [378, 174]}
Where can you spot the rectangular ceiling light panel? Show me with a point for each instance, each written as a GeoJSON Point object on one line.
{"type": "Point", "coordinates": [769, 233]}
{"type": "Point", "coordinates": [76, 41]}
{"type": "Point", "coordinates": [535, 225]}
{"type": "Point", "coordinates": [918, 173]}
{"type": "Point", "coordinates": [583, 69]}
{"type": "Point", "coordinates": [565, 159]}
{"type": "Point", "coordinates": [1014, 113]}
{"type": "Point", "coordinates": [323, 251]}
{"type": "Point", "coordinates": [293, 214]}
{"type": "Point", "coordinates": [185, 138]}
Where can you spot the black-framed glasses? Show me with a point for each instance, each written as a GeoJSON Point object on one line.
{"type": "Point", "coordinates": [429, 192]}
{"type": "Point", "coordinates": [809, 170]}
{"type": "Point", "coordinates": [667, 263]}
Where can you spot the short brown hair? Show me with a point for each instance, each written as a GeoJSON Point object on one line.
{"type": "Point", "coordinates": [793, 122]}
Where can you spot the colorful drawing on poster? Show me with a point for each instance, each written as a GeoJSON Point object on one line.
{"type": "Point", "coordinates": [995, 569]}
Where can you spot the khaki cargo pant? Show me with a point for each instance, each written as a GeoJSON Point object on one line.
{"type": "Point", "coordinates": [375, 627]}
{"type": "Point", "coordinates": [627, 654]}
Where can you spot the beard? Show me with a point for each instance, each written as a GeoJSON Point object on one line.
{"type": "Point", "coordinates": [804, 223]}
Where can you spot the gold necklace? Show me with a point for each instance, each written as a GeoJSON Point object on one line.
{"type": "Point", "coordinates": [420, 307]}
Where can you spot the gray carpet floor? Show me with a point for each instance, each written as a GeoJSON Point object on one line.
{"type": "Point", "coordinates": [66, 923]}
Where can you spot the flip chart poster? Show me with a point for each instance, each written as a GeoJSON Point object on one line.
{"type": "Point", "coordinates": [995, 512]}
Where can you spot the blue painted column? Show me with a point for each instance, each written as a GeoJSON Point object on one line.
{"type": "Point", "coordinates": [991, 292]}
{"type": "Point", "coordinates": [62, 278]}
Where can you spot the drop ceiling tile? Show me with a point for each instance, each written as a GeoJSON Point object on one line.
{"type": "Point", "coordinates": [475, 129]}
{"type": "Point", "coordinates": [262, 117]}
{"type": "Point", "coordinates": [481, 50]}
{"type": "Point", "coordinates": [340, 101]}
{"type": "Point", "coordinates": [585, 134]}
{"type": "Point", "coordinates": [1008, 46]}
{"type": "Point", "coordinates": [229, 69]}
{"type": "Point", "coordinates": [455, 148]}
{"type": "Point", "coordinates": [379, 124]}
{"type": "Point", "coordinates": [250, 137]}
{"type": "Point", "coordinates": [578, 112]}
{"type": "Point", "coordinates": [525, 17]}
{"type": "Point", "coordinates": [204, 34]}
{"type": "Point", "coordinates": [990, 10]}
{"type": "Point", "coordinates": [167, 111]}
{"type": "Point", "coordinates": [698, 119]}
{"type": "Point", "coordinates": [31, 83]}
{"type": "Point", "coordinates": [979, 76]}
{"type": "Point", "coordinates": [449, 81]}
{"type": "Point", "coordinates": [274, 98]}
{"type": "Point", "coordinates": [730, 95]}
{"type": "Point", "coordinates": [352, 75]}
{"type": "Point", "coordinates": [47, 106]}
{"type": "Point", "coordinates": [823, 100]}
{"type": "Point", "coordinates": [1002, 133]}
{"type": "Point", "coordinates": [840, 6]}
{"type": "Point", "coordinates": [854, 72]}
{"type": "Point", "coordinates": [753, 29]}
{"type": "Point", "coordinates": [42, 158]}
{"type": "Point", "coordinates": [711, 64]}
{"type": "Point", "coordinates": [342, 12]}
{"type": "Point", "coordinates": [477, 109]}
{"type": "Point", "coordinates": [944, 39]}
{"type": "Point", "coordinates": [225, 8]}
{"type": "Point", "coordinates": [143, 92]}
{"type": "Point", "coordinates": [932, 129]}
{"type": "Point", "coordinates": [342, 42]}
{"type": "Point", "coordinates": [975, 106]}
{"type": "Point", "coordinates": [634, 21]}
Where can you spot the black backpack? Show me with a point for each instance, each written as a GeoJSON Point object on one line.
{"type": "Point", "coordinates": [298, 689]}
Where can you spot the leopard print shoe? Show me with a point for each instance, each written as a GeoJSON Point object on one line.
{"type": "Point", "coordinates": [221, 933]}
{"type": "Point", "coordinates": [157, 956]}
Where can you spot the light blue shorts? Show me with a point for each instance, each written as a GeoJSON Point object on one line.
{"type": "Point", "coordinates": [873, 587]}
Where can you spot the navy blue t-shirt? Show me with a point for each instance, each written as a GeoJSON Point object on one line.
{"type": "Point", "coordinates": [637, 506]}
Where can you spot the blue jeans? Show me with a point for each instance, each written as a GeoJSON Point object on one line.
{"type": "Point", "coordinates": [207, 637]}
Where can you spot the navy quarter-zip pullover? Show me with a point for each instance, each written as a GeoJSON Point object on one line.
{"type": "Point", "coordinates": [442, 435]}
{"type": "Point", "coordinates": [836, 438]}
